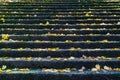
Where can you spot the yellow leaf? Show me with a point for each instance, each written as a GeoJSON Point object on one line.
{"type": "Point", "coordinates": [8, 70]}
{"type": "Point", "coordinates": [103, 57]}
{"type": "Point", "coordinates": [5, 36]}
{"type": "Point", "coordinates": [82, 24]}
{"type": "Point", "coordinates": [24, 69]}
{"type": "Point", "coordinates": [6, 48]}
{"type": "Point", "coordinates": [87, 14]}
{"type": "Point", "coordinates": [68, 41]}
{"type": "Point", "coordinates": [72, 48]}
{"type": "Point", "coordinates": [47, 23]}
{"type": "Point", "coordinates": [29, 58]}
{"type": "Point", "coordinates": [1, 70]}
{"type": "Point", "coordinates": [88, 41]}
{"type": "Point", "coordinates": [89, 19]}
{"type": "Point", "coordinates": [117, 69]}
{"type": "Point", "coordinates": [97, 67]}
{"type": "Point", "coordinates": [37, 40]}
{"type": "Point", "coordinates": [27, 15]}
{"type": "Point", "coordinates": [2, 19]}
{"type": "Point", "coordinates": [53, 49]}
{"type": "Point", "coordinates": [87, 28]}
{"type": "Point", "coordinates": [94, 69]}
{"type": "Point", "coordinates": [107, 68]}
{"type": "Point", "coordinates": [98, 19]}
{"type": "Point", "coordinates": [115, 48]}
{"type": "Point", "coordinates": [104, 41]}
{"type": "Point", "coordinates": [118, 58]}
{"type": "Point", "coordinates": [91, 34]}
{"type": "Point", "coordinates": [78, 48]}
{"type": "Point", "coordinates": [114, 28]}
{"type": "Point", "coordinates": [20, 48]}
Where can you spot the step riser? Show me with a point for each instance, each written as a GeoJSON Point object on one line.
{"type": "Point", "coordinates": [43, 76]}
{"type": "Point", "coordinates": [79, 32]}
{"type": "Point", "coordinates": [61, 10]}
{"type": "Point", "coordinates": [67, 17]}
{"type": "Point", "coordinates": [64, 38]}
{"type": "Point", "coordinates": [40, 13]}
{"type": "Point", "coordinates": [27, 53]}
{"type": "Point", "coordinates": [59, 64]}
{"type": "Point", "coordinates": [60, 22]}
{"type": "Point", "coordinates": [60, 45]}
{"type": "Point", "coordinates": [58, 26]}
{"type": "Point", "coordinates": [115, 7]}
